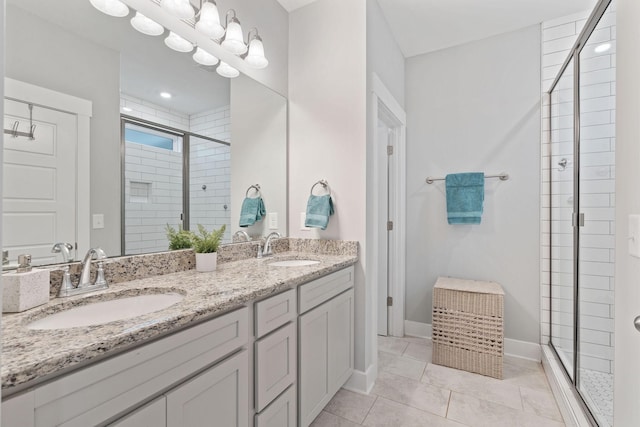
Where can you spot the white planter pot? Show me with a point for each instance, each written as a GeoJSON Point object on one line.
{"type": "Point", "coordinates": [206, 262]}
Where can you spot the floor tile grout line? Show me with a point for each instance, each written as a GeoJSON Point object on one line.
{"type": "Point", "coordinates": [369, 411]}
{"type": "Point", "coordinates": [446, 415]}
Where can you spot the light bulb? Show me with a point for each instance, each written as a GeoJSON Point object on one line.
{"type": "Point", "coordinates": [146, 25]}
{"type": "Point", "coordinates": [203, 57]}
{"type": "Point", "coordinates": [179, 8]}
{"type": "Point", "coordinates": [256, 57]}
{"type": "Point", "coordinates": [226, 70]}
{"type": "Point", "coordinates": [233, 38]}
{"type": "Point", "coordinates": [209, 22]}
{"type": "Point", "coordinates": [178, 43]}
{"type": "Point", "coordinates": [111, 7]}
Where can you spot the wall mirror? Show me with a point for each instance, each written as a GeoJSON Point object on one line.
{"type": "Point", "coordinates": [113, 162]}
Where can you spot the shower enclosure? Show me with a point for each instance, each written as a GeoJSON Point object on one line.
{"type": "Point", "coordinates": [581, 175]}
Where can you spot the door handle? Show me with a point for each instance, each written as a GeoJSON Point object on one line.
{"type": "Point", "coordinates": [636, 323]}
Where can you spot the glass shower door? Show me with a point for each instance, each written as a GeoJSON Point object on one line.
{"type": "Point", "coordinates": [562, 230]}
{"type": "Point", "coordinates": [597, 239]}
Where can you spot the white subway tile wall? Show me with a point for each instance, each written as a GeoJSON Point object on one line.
{"type": "Point", "coordinates": [160, 171]}
{"type": "Point", "coordinates": [597, 79]}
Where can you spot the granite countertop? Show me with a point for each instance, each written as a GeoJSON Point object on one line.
{"type": "Point", "coordinates": [31, 356]}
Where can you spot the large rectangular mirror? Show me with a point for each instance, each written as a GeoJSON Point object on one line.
{"type": "Point", "coordinates": [113, 161]}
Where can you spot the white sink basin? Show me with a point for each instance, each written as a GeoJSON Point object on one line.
{"type": "Point", "coordinates": [293, 263]}
{"type": "Point", "coordinates": [98, 313]}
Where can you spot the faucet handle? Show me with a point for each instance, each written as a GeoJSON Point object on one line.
{"type": "Point", "coordinates": [67, 285]}
{"type": "Point", "coordinates": [100, 280]}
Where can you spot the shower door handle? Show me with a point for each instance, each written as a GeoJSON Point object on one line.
{"type": "Point", "coordinates": [636, 323]}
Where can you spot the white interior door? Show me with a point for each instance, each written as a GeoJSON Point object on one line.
{"type": "Point", "coordinates": [383, 213]}
{"type": "Point", "coordinates": [39, 183]}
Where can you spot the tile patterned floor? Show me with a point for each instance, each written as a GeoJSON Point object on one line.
{"type": "Point", "coordinates": [413, 392]}
{"type": "Point", "coordinates": [597, 387]}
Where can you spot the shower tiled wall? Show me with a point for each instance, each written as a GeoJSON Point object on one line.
{"type": "Point", "coordinates": [210, 166]}
{"type": "Point", "coordinates": [597, 190]}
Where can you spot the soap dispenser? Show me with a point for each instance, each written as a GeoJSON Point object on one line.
{"type": "Point", "coordinates": [26, 288]}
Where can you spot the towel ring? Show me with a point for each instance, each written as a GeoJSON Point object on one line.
{"type": "Point", "coordinates": [324, 184]}
{"type": "Point", "coordinates": [255, 187]}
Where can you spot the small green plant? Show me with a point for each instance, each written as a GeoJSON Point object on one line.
{"type": "Point", "coordinates": [205, 242]}
{"type": "Point", "coordinates": [178, 239]}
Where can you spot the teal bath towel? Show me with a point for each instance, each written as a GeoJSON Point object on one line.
{"type": "Point", "coordinates": [465, 196]}
{"type": "Point", "coordinates": [252, 210]}
{"type": "Point", "coordinates": [319, 209]}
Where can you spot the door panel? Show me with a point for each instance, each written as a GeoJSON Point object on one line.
{"type": "Point", "coordinates": [39, 183]}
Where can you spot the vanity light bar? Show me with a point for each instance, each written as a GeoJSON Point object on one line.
{"type": "Point", "coordinates": [206, 21]}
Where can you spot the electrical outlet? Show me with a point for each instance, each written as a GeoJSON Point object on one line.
{"type": "Point", "coordinates": [303, 218]}
{"type": "Point", "coordinates": [273, 220]}
{"type": "Point", "coordinates": [98, 221]}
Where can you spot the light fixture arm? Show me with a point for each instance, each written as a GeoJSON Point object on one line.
{"type": "Point", "coordinates": [255, 35]}
{"type": "Point", "coordinates": [234, 17]}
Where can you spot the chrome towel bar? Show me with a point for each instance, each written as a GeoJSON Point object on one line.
{"type": "Point", "coordinates": [503, 177]}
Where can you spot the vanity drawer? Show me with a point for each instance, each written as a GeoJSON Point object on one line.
{"type": "Point", "coordinates": [274, 312]}
{"type": "Point", "coordinates": [283, 412]}
{"type": "Point", "coordinates": [94, 394]}
{"type": "Point", "coordinates": [323, 289]}
{"type": "Point", "coordinates": [275, 364]}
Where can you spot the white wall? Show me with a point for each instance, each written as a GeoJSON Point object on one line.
{"type": "Point", "coordinates": [327, 128]}
{"type": "Point", "coordinates": [85, 70]}
{"type": "Point", "coordinates": [258, 153]}
{"type": "Point", "coordinates": [476, 107]}
{"type": "Point", "coordinates": [2, 14]}
{"type": "Point", "coordinates": [627, 351]}
{"type": "Point", "coordinates": [385, 60]}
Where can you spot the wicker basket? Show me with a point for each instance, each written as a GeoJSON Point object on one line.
{"type": "Point", "coordinates": [468, 325]}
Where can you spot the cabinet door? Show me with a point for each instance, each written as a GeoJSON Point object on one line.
{"type": "Point", "coordinates": [341, 341]}
{"type": "Point", "coordinates": [19, 411]}
{"type": "Point", "coordinates": [281, 413]}
{"type": "Point", "coordinates": [217, 397]}
{"type": "Point", "coordinates": [313, 363]}
{"type": "Point", "coordinates": [152, 415]}
{"type": "Point", "coordinates": [276, 361]}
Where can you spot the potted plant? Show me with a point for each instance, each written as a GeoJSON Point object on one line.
{"type": "Point", "coordinates": [205, 244]}
{"type": "Point", "coordinates": [178, 239]}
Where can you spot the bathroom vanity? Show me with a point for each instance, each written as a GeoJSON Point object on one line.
{"type": "Point", "coordinates": [252, 344]}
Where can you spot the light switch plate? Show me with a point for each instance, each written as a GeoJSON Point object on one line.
{"type": "Point", "coordinates": [303, 218]}
{"type": "Point", "coordinates": [273, 220]}
{"type": "Point", "coordinates": [98, 221]}
{"type": "Point", "coordinates": [634, 235]}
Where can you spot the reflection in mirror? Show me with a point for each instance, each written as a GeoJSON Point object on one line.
{"type": "Point", "coordinates": [108, 200]}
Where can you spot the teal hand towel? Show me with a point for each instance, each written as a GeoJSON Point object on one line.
{"type": "Point", "coordinates": [252, 210]}
{"type": "Point", "coordinates": [319, 209]}
{"type": "Point", "coordinates": [465, 196]}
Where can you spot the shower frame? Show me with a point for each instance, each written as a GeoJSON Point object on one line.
{"type": "Point", "coordinates": [577, 217]}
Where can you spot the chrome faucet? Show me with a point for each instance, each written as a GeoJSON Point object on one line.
{"type": "Point", "coordinates": [5, 257]}
{"type": "Point", "coordinates": [242, 233]}
{"type": "Point", "coordinates": [64, 249]}
{"type": "Point", "coordinates": [84, 284]}
{"type": "Point", "coordinates": [267, 243]}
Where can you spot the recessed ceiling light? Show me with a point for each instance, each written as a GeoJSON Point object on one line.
{"type": "Point", "coordinates": [165, 95]}
{"type": "Point", "coordinates": [602, 48]}
{"type": "Point", "coordinates": [127, 109]}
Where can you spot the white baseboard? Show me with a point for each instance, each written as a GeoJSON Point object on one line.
{"type": "Point", "coordinates": [516, 348]}
{"type": "Point", "coordinates": [362, 382]}
{"type": "Point", "coordinates": [417, 329]}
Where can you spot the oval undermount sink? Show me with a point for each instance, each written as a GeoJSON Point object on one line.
{"type": "Point", "coordinates": [98, 313]}
{"type": "Point", "coordinates": [293, 263]}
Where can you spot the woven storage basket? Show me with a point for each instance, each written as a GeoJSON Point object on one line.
{"type": "Point", "coordinates": [468, 325]}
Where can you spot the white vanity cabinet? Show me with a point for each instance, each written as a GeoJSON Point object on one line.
{"type": "Point", "coordinates": [276, 360]}
{"type": "Point", "coordinates": [100, 392]}
{"type": "Point", "coordinates": [326, 341]}
{"type": "Point", "coordinates": [219, 396]}
{"type": "Point", "coordinates": [152, 415]}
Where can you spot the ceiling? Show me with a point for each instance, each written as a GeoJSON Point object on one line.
{"type": "Point", "coordinates": [147, 66]}
{"type": "Point", "coordinates": [422, 26]}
